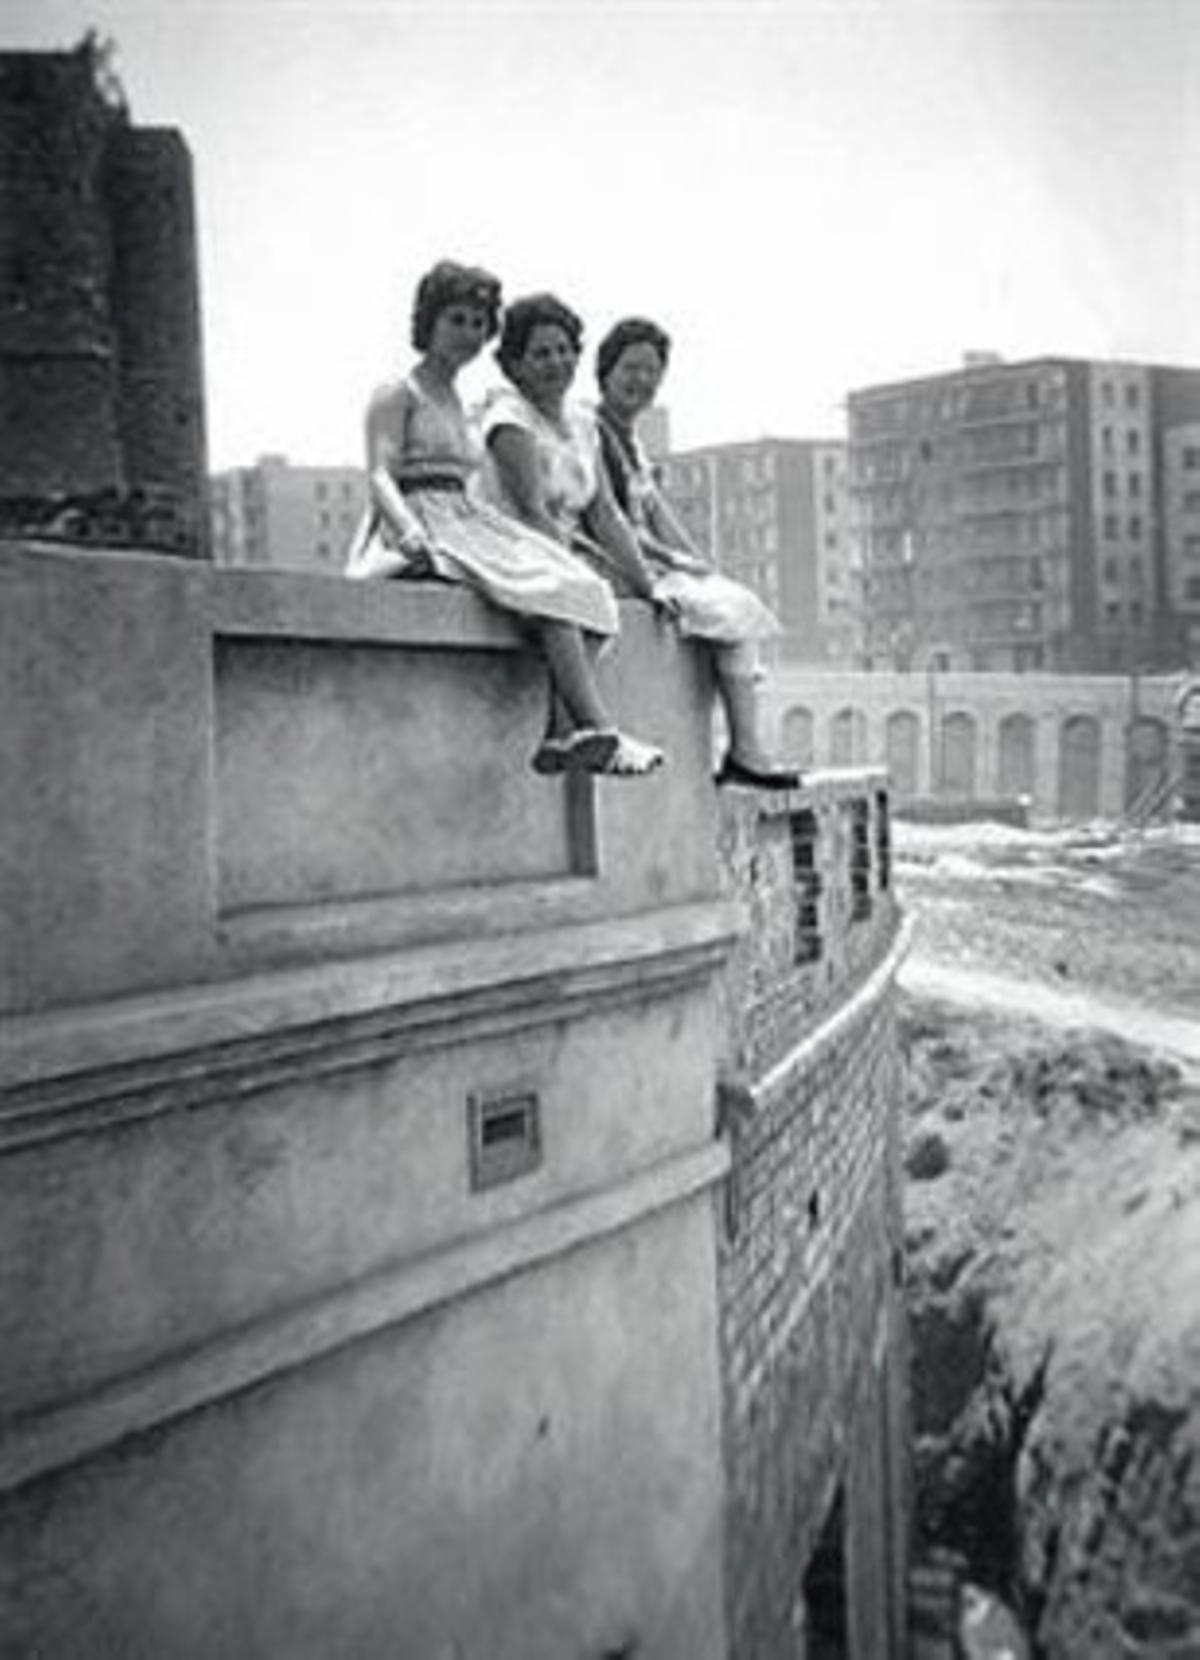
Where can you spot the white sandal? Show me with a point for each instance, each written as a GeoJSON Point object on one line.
{"type": "Point", "coordinates": [629, 758]}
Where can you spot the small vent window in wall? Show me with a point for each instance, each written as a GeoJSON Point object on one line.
{"type": "Point", "coordinates": [806, 878]}
{"type": "Point", "coordinates": [883, 840]}
{"type": "Point", "coordinates": [860, 860]}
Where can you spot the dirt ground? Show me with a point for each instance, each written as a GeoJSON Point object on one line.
{"type": "Point", "coordinates": [1052, 1031]}
{"type": "Point", "coordinates": [1079, 910]}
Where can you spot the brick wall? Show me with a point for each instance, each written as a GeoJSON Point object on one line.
{"type": "Point", "coordinates": [811, 1336]}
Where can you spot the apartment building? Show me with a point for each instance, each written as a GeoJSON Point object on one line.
{"type": "Point", "coordinates": [274, 513]}
{"type": "Point", "coordinates": [773, 513]}
{"type": "Point", "coordinates": [1043, 514]}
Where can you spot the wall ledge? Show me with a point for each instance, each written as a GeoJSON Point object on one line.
{"type": "Point", "coordinates": [87, 1068]}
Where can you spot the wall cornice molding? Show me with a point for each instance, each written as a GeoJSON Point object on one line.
{"type": "Point", "coordinates": [82, 1070]}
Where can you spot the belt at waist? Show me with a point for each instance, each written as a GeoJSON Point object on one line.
{"type": "Point", "coordinates": [413, 485]}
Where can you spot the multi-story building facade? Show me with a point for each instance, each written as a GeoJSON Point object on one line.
{"type": "Point", "coordinates": [276, 514]}
{"type": "Point", "coordinates": [773, 513]}
{"type": "Point", "coordinates": [1031, 515]}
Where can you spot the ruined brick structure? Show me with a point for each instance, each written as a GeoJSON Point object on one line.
{"type": "Point", "coordinates": [812, 1330]}
{"type": "Point", "coordinates": [102, 417]}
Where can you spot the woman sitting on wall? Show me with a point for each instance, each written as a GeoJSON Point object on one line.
{"type": "Point", "coordinates": [422, 522]}
{"type": "Point", "coordinates": [545, 457]}
{"type": "Point", "coordinates": [630, 364]}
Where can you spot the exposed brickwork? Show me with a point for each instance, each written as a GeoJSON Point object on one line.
{"type": "Point", "coordinates": [809, 1315]}
{"type": "Point", "coordinates": [770, 998]}
{"type": "Point", "coordinates": [101, 423]}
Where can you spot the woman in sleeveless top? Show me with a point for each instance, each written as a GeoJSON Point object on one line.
{"type": "Point", "coordinates": [544, 460]}
{"type": "Point", "coordinates": [630, 364]}
{"type": "Point", "coordinates": [424, 521]}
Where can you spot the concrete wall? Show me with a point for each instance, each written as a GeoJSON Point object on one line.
{"type": "Point", "coordinates": [358, 1286]}
{"type": "Point", "coordinates": [811, 1320]}
{"type": "Point", "coordinates": [1130, 722]}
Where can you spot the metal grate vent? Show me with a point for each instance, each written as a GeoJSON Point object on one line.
{"type": "Point", "coordinates": [504, 1136]}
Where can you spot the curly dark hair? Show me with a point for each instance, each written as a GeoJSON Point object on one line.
{"type": "Point", "coordinates": [525, 315]}
{"type": "Point", "coordinates": [630, 331]}
{"type": "Point", "coordinates": [447, 284]}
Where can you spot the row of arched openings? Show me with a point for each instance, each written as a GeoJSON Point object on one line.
{"type": "Point", "coordinates": [954, 765]}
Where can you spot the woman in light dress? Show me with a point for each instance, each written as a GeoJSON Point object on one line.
{"type": "Point", "coordinates": [424, 522]}
{"type": "Point", "coordinates": [630, 363]}
{"type": "Point", "coordinates": [545, 461]}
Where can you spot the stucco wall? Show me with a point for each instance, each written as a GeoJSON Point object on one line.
{"type": "Point", "coordinates": [286, 1371]}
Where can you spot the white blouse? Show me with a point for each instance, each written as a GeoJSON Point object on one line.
{"type": "Point", "coordinates": [568, 455]}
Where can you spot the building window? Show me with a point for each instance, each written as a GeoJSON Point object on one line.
{"type": "Point", "coordinates": [1110, 484]}
{"type": "Point", "coordinates": [1111, 528]}
{"type": "Point", "coordinates": [1135, 611]}
{"type": "Point", "coordinates": [1191, 501]}
{"type": "Point", "coordinates": [1191, 460]}
{"type": "Point", "coordinates": [1112, 611]}
{"type": "Point", "coordinates": [1191, 587]}
{"type": "Point", "coordinates": [320, 490]}
{"type": "Point", "coordinates": [1135, 484]}
{"type": "Point", "coordinates": [1106, 394]}
{"type": "Point", "coordinates": [1106, 440]}
{"type": "Point", "coordinates": [1112, 571]}
{"type": "Point", "coordinates": [1135, 528]}
{"type": "Point", "coordinates": [1133, 441]}
{"type": "Point", "coordinates": [1133, 397]}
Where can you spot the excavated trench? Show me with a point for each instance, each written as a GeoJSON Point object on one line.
{"type": "Point", "coordinates": [1053, 1207]}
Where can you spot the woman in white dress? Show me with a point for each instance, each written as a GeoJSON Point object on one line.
{"type": "Point", "coordinates": [545, 462]}
{"type": "Point", "coordinates": [424, 522]}
{"type": "Point", "coordinates": [630, 363]}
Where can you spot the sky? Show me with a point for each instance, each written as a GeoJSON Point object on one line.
{"type": "Point", "coordinates": [811, 195]}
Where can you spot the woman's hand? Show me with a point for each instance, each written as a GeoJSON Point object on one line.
{"type": "Point", "coordinates": [666, 604]}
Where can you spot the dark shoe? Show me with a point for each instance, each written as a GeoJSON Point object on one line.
{"type": "Point", "coordinates": [738, 774]}
{"type": "Point", "coordinates": [550, 758]}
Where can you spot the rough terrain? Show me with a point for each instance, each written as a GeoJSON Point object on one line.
{"type": "Point", "coordinates": [1054, 1226]}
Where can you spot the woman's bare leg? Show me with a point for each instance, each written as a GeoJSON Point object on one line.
{"type": "Point", "coordinates": [577, 709]}
{"type": "Point", "coordinates": [749, 761]}
{"type": "Point", "coordinates": [738, 692]}
{"type": "Point", "coordinates": [573, 685]}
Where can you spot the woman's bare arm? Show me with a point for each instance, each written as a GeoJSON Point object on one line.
{"type": "Point", "coordinates": [669, 531]}
{"type": "Point", "coordinates": [387, 429]}
{"type": "Point", "coordinates": [608, 525]}
{"type": "Point", "coordinates": [514, 452]}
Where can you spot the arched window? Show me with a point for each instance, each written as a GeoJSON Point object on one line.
{"type": "Point", "coordinates": [848, 738]}
{"type": "Point", "coordinates": [1016, 767]}
{"type": "Point", "coordinates": [901, 748]}
{"type": "Point", "coordinates": [956, 756]}
{"type": "Point", "coordinates": [1146, 759]}
{"type": "Point", "coordinates": [1079, 767]}
{"type": "Point", "coordinates": [797, 739]}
